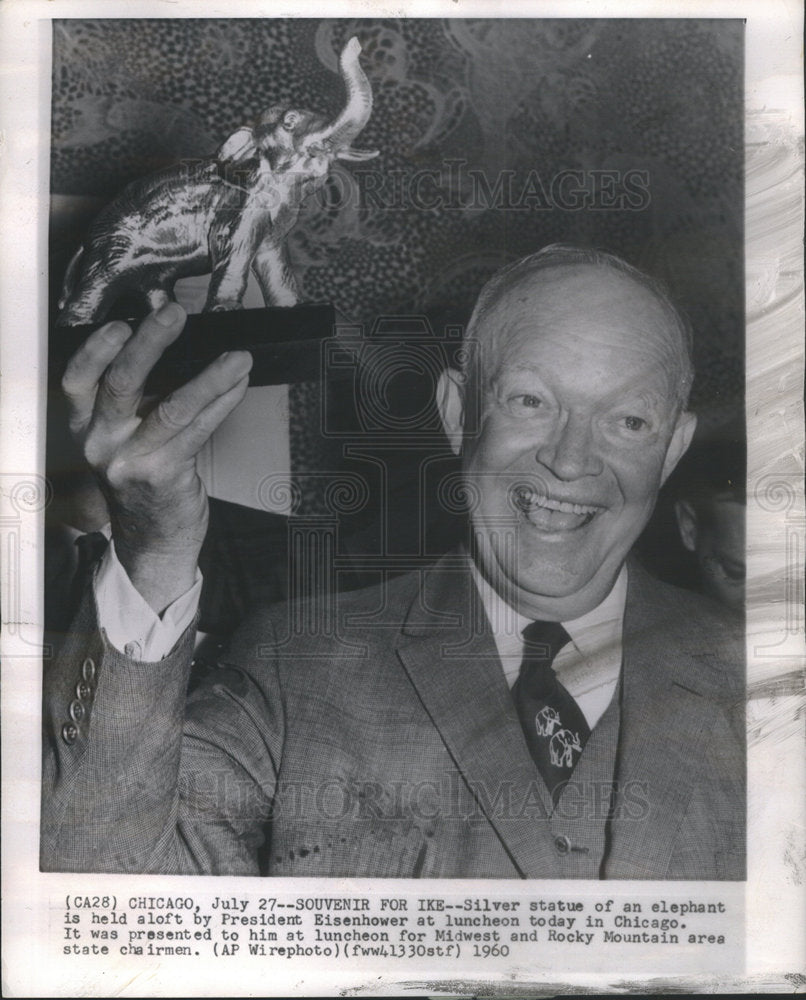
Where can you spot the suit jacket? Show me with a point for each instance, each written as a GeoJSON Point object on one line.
{"type": "Point", "coordinates": [373, 734]}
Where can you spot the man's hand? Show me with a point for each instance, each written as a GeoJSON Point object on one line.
{"type": "Point", "coordinates": [146, 465]}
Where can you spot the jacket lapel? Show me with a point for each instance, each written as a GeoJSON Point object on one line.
{"type": "Point", "coordinates": [450, 656]}
{"type": "Point", "coordinates": [452, 661]}
{"type": "Point", "coordinates": [666, 723]}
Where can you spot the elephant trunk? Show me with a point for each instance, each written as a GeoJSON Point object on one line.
{"type": "Point", "coordinates": [338, 134]}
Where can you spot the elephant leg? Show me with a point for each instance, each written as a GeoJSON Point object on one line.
{"type": "Point", "coordinates": [93, 283]}
{"type": "Point", "coordinates": [274, 275]}
{"type": "Point", "coordinates": [232, 247]}
{"type": "Point", "coordinates": [88, 304]}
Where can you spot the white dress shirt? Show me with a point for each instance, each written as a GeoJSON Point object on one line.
{"type": "Point", "coordinates": [131, 625]}
{"type": "Point", "coordinates": [588, 667]}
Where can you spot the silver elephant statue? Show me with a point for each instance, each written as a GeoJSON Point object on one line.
{"type": "Point", "coordinates": [220, 216]}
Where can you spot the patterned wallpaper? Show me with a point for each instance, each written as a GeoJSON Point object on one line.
{"type": "Point", "coordinates": [495, 137]}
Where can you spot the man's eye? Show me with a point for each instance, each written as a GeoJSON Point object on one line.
{"type": "Point", "coordinates": [634, 423]}
{"type": "Point", "coordinates": [525, 401]}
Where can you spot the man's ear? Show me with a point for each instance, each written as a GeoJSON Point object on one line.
{"type": "Point", "coordinates": [678, 446]}
{"type": "Point", "coordinates": [687, 524]}
{"type": "Point", "coordinates": [451, 404]}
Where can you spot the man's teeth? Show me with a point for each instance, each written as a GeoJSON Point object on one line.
{"type": "Point", "coordinates": [528, 499]}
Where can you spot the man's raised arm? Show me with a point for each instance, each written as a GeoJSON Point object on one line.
{"type": "Point", "coordinates": [146, 465]}
{"type": "Point", "coordinates": [113, 725]}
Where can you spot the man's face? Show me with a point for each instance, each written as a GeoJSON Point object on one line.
{"type": "Point", "coordinates": [716, 537]}
{"type": "Point", "coordinates": [578, 429]}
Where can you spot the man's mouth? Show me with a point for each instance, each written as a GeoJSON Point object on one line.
{"type": "Point", "coordinates": [550, 514]}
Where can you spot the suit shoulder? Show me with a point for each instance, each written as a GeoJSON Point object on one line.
{"type": "Point", "coordinates": [709, 641]}
{"type": "Point", "coordinates": [699, 609]}
{"type": "Point", "coordinates": [659, 602]}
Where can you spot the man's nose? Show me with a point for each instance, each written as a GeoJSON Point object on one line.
{"type": "Point", "coordinates": [570, 452]}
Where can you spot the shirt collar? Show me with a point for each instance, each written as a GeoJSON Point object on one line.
{"type": "Point", "coordinates": [587, 632]}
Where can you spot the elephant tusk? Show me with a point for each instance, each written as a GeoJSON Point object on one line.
{"type": "Point", "coordinates": [357, 155]}
{"type": "Point", "coordinates": [239, 146]}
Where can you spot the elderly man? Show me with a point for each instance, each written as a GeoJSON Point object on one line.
{"type": "Point", "coordinates": [535, 707]}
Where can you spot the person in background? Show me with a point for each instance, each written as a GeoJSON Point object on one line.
{"type": "Point", "coordinates": [710, 509]}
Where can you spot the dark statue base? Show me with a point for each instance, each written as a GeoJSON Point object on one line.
{"type": "Point", "coordinates": [285, 343]}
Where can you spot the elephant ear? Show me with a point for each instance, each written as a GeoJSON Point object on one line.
{"type": "Point", "coordinates": [238, 147]}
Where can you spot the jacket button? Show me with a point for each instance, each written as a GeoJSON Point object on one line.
{"type": "Point", "coordinates": [88, 670]}
{"type": "Point", "coordinates": [69, 733]}
{"type": "Point", "coordinates": [76, 711]}
{"type": "Point", "coordinates": [562, 845]}
{"type": "Point", "coordinates": [83, 690]}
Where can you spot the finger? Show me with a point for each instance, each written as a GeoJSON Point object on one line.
{"type": "Point", "coordinates": [188, 442]}
{"type": "Point", "coordinates": [121, 388]}
{"type": "Point", "coordinates": [86, 368]}
{"type": "Point", "coordinates": [184, 407]}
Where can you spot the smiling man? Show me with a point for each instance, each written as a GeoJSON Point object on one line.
{"type": "Point", "coordinates": [581, 375]}
{"type": "Point", "coordinates": [536, 707]}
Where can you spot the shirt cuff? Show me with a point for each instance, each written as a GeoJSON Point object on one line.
{"type": "Point", "coordinates": [131, 624]}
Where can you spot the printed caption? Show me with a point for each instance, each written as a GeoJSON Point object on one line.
{"type": "Point", "coordinates": [379, 929]}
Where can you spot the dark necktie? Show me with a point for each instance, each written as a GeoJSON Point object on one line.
{"type": "Point", "coordinates": [555, 728]}
{"type": "Point", "coordinates": [90, 548]}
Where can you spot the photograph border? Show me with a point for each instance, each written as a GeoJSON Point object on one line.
{"type": "Point", "coordinates": [775, 919]}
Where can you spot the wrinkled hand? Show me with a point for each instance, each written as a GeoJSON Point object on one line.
{"type": "Point", "coordinates": [146, 465]}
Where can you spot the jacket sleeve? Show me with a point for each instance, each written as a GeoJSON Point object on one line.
{"type": "Point", "coordinates": [140, 776]}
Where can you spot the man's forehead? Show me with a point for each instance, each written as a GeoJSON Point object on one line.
{"type": "Point", "coordinates": [572, 288]}
{"type": "Point", "coordinates": [595, 301]}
